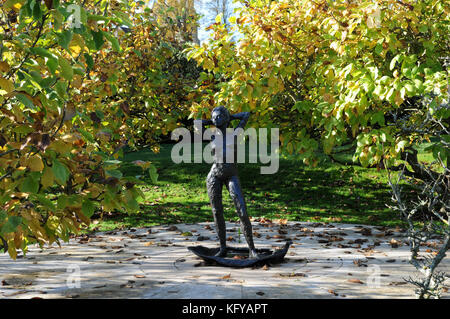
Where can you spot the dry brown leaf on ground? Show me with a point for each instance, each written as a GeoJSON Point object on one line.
{"type": "Point", "coordinates": [333, 292]}
{"type": "Point", "coordinates": [355, 281]}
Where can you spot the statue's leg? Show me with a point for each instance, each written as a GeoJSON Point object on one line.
{"type": "Point", "coordinates": [214, 186]}
{"type": "Point", "coordinates": [234, 187]}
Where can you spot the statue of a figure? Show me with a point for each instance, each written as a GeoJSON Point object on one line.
{"type": "Point", "coordinates": [225, 172]}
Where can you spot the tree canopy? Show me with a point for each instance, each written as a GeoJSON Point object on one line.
{"type": "Point", "coordinates": [332, 72]}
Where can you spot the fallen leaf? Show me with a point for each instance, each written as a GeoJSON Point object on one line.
{"type": "Point", "coordinates": [397, 283]}
{"type": "Point", "coordinates": [296, 274]}
{"type": "Point", "coordinates": [394, 243]}
{"type": "Point", "coordinates": [390, 260]}
{"type": "Point", "coordinates": [333, 292]}
{"type": "Point", "coordinates": [355, 281]}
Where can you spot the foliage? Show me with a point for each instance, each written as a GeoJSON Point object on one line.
{"type": "Point", "coordinates": [159, 79]}
{"type": "Point", "coordinates": [182, 15]}
{"type": "Point", "coordinates": [63, 120]}
{"type": "Point", "coordinates": [328, 73]}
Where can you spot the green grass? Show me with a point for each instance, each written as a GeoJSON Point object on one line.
{"type": "Point", "coordinates": [328, 193]}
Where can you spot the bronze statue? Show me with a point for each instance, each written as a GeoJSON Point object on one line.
{"type": "Point", "coordinates": [224, 172]}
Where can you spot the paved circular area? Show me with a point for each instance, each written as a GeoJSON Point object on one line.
{"type": "Point", "coordinates": [325, 261]}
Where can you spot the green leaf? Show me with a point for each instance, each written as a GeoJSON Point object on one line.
{"type": "Point", "coordinates": [3, 215]}
{"type": "Point", "coordinates": [64, 38]}
{"type": "Point", "coordinates": [114, 42]}
{"type": "Point", "coordinates": [37, 13]}
{"type": "Point", "coordinates": [61, 87]}
{"type": "Point", "coordinates": [45, 201]}
{"type": "Point", "coordinates": [88, 208]}
{"type": "Point", "coordinates": [423, 28]}
{"type": "Point", "coordinates": [52, 65]}
{"type": "Point", "coordinates": [114, 173]}
{"type": "Point", "coordinates": [88, 136]}
{"type": "Point", "coordinates": [26, 101]}
{"type": "Point", "coordinates": [98, 39]}
{"type": "Point", "coordinates": [396, 59]}
{"type": "Point", "coordinates": [66, 68]}
{"type": "Point", "coordinates": [409, 88]}
{"type": "Point", "coordinates": [89, 61]}
{"type": "Point", "coordinates": [378, 48]}
{"type": "Point", "coordinates": [29, 185]}
{"type": "Point", "coordinates": [12, 224]}
{"type": "Point", "coordinates": [43, 53]}
{"type": "Point", "coordinates": [61, 172]}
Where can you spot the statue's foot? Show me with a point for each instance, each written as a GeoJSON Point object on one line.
{"type": "Point", "coordinates": [222, 252]}
{"type": "Point", "coordinates": [253, 254]}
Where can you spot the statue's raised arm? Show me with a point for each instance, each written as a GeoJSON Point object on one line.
{"type": "Point", "coordinates": [243, 116]}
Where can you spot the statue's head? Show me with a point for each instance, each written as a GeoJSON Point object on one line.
{"type": "Point", "coordinates": [220, 116]}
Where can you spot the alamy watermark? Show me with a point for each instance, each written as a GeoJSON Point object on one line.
{"type": "Point", "coordinates": [74, 276]}
{"type": "Point", "coordinates": [227, 147]}
{"type": "Point", "coordinates": [74, 19]}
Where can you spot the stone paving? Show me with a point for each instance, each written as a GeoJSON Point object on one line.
{"type": "Point", "coordinates": [325, 261]}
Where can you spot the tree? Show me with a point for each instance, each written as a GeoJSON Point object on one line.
{"type": "Point", "coordinates": [63, 122]}
{"type": "Point", "coordinates": [181, 13]}
{"type": "Point", "coordinates": [332, 73]}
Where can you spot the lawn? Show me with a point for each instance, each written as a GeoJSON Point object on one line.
{"type": "Point", "coordinates": [330, 192]}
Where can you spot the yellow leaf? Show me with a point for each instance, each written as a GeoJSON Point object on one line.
{"type": "Point", "coordinates": [208, 64]}
{"type": "Point", "coordinates": [77, 81]}
{"type": "Point", "coordinates": [227, 276]}
{"type": "Point", "coordinates": [12, 250]}
{"type": "Point", "coordinates": [398, 98]}
{"type": "Point", "coordinates": [328, 98]}
{"type": "Point", "coordinates": [37, 230]}
{"type": "Point", "coordinates": [6, 85]}
{"type": "Point", "coordinates": [76, 45]}
{"type": "Point", "coordinates": [4, 66]}
{"type": "Point", "coordinates": [272, 81]}
{"type": "Point", "coordinates": [48, 178]}
{"type": "Point", "coordinates": [18, 238]}
{"type": "Point", "coordinates": [61, 147]}
{"type": "Point", "coordinates": [35, 164]}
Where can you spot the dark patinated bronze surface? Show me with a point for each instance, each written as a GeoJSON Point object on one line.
{"type": "Point", "coordinates": [224, 172]}
{"type": "Point", "coordinates": [238, 257]}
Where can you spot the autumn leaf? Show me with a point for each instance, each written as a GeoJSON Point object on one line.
{"type": "Point", "coordinates": [355, 281]}
{"type": "Point", "coordinates": [6, 86]}
{"type": "Point", "coordinates": [35, 163]}
{"type": "Point", "coordinates": [4, 66]}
